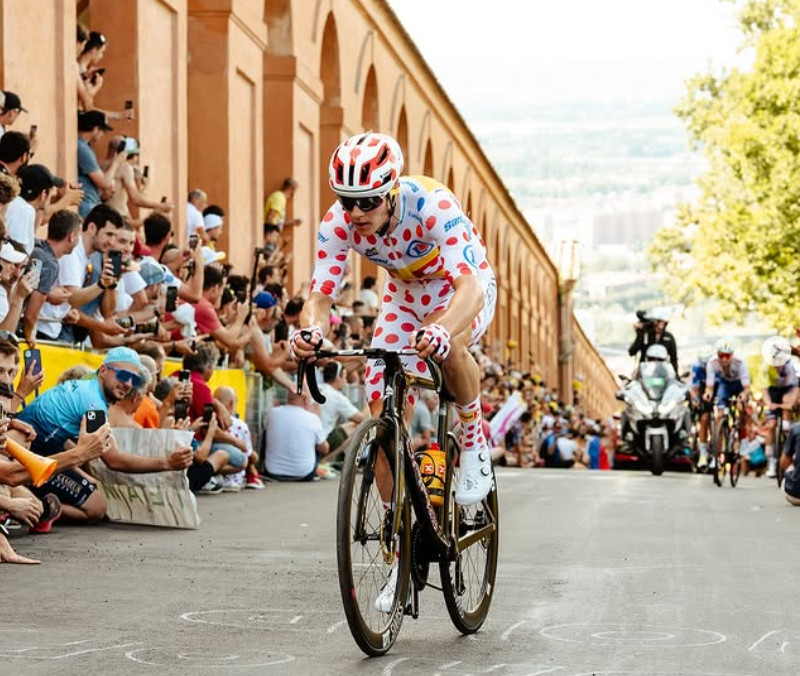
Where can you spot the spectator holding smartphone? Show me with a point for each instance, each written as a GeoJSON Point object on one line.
{"type": "Point", "coordinates": [10, 110]}
{"type": "Point", "coordinates": [57, 416]}
{"type": "Point", "coordinates": [92, 125]}
{"type": "Point", "coordinates": [16, 284]}
{"type": "Point", "coordinates": [25, 214]}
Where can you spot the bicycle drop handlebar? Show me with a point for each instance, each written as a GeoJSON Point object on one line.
{"type": "Point", "coordinates": [389, 356]}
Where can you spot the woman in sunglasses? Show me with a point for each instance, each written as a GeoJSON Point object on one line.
{"type": "Point", "coordinates": [441, 291]}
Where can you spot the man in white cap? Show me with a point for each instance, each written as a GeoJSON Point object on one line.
{"type": "Point", "coordinates": [213, 219]}
{"type": "Point", "coordinates": [56, 417]}
{"type": "Point", "coordinates": [15, 285]}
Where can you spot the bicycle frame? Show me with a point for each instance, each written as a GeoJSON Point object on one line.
{"type": "Point", "coordinates": [407, 475]}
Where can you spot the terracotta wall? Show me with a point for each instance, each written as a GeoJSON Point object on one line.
{"type": "Point", "coordinates": [234, 96]}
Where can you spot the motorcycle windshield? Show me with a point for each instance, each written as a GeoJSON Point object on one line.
{"type": "Point", "coordinates": [654, 377]}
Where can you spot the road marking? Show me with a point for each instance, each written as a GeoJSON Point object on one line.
{"type": "Point", "coordinates": [334, 627]}
{"type": "Point", "coordinates": [387, 670]}
{"type": "Point", "coordinates": [767, 635]}
{"type": "Point", "coordinates": [295, 619]}
{"type": "Point", "coordinates": [504, 636]}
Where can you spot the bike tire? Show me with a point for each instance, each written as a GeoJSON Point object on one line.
{"type": "Point", "coordinates": [657, 456]}
{"type": "Point", "coordinates": [778, 451]}
{"type": "Point", "coordinates": [734, 459]}
{"type": "Point", "coordinates": [719, 438]}
{"type": "Point", "coordinates": [361, 565]}
{"type": "Point", "coordinates": [468, 581]}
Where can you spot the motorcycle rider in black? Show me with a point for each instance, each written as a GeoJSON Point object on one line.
{"type": "Point", "coordinates": [651, 329]}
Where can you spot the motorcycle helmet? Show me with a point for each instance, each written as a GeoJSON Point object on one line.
{"type": "Point", "coordinates": [656, 352]}
{"type": "Point", "coordinates": [723, 346]}
{"type": "Point", "coordinates": [365, 165]}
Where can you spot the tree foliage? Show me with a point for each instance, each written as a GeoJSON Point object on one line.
{"type": "Point", "coordinates": [738, 242]}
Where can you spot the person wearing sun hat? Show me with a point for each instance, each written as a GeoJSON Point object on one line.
{"type": "Point", "coordinates": [57, 416]}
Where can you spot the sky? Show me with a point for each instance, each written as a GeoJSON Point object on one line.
{"type": "Point", "coordinates": [552, 52]}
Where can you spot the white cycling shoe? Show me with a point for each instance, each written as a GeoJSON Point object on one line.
{"type": "Point", "coordinates": [385, 600]}
{"type": "Point", "coordinates": [474, 477]}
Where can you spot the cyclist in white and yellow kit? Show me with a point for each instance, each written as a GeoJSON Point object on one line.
{"type": "Point", "coordinates": [440, 281]}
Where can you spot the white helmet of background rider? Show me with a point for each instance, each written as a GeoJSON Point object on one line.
{"type": "Point", "coordinates": [723, 346]}
{"type": "Point", "coordinates": [365, 165]}
{"type": "Point", "coordinates": [656, 352]}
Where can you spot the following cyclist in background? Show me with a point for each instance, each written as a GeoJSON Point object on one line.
{"type": "Point", "coordinates": [651, 329]}
{"type": "Point", "coordinates": [780, 393]}
{"type": "Point", "coordinates": [727, 377]}
{"type": "Point", "coordinates": [441, 291]}
{"type": "Point", "coordinates": [701, 408]}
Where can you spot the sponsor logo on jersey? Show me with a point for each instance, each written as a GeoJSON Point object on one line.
{"type": "Point", "coordinates": [453, 222]}
{"type": "Point", "coordinates": [372, 251]}
{"type": "Point", "coordinates": [418, 249]}
{"type": "Point", "coordinates": [321, 237]}
{"type": "Point", "coordinates": [469, 255]}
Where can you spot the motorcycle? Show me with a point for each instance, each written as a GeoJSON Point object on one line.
{"type": "Point", "coordinates": [656, 419]}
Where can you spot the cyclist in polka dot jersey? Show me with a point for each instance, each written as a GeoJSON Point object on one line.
{"type": "Point", "coordinates": [440, 281]}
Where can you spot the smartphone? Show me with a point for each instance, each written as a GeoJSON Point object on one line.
{"type": "Point", "coordinates": [128, 104]}
{"type": "Point", "coordinates": [163, 199]}
{"type": "Point", "coordinates": [33, 355]}
{"type": "Point", "coordinates": [194, 240]}
{"type": "Point", "coordinates": [146, 171]}
{"type": "Point", "coordinates": [32, 132]}
{"type": "Point", "coordinates": [34, 264]}
{"type": "Point", "coordinates": [208, 411]}
{"type": "Point", "coordinates": [241, 295]}
{"type": "Point", "coordinates": [172, 299]}
{"type": "Point", "coordinates": [121, 146]}
{"type": "Point", "coordinates": [184, 376]}
{"type": "Point", "coordinates": [101, 71]}
{"type": "Point", "coordinates": [95, 419]}
{"type": "Point", "coordinates": [181, 409]}
{"type": "Point", "coordinates": [116, 261]}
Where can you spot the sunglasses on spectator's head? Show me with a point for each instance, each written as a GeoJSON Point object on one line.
{"type": "Point", "coordinates": [363, 203]}
{"type": "Point", "coordinates": [10, 337]}
{"type": "Point", "coordinates": [125, 376]}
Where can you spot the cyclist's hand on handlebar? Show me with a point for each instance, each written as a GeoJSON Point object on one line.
{"type": "Point", "coordinates": [303, 342]}
{"type": "Point", "coordinates": [433, 339]}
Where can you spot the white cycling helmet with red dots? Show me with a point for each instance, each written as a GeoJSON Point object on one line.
{"type": "Point", "coordinates": [366, 165]}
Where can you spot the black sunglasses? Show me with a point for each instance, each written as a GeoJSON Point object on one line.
{"type": "Point", "coordinates": [363, 203]}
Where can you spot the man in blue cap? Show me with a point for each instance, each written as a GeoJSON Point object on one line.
{"type": "Point", "coordinates": [57, 415]}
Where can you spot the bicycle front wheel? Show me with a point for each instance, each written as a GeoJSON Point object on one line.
{"type": "Point", "coordinates": [734, 458]}
{"type": "Point", "coordinates": [370, 560]}
{"type": "Point", "coordinates": [720, 455]}
{"type": "Point", "coordinates": [468, 580]}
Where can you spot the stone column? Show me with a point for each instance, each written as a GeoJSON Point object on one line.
{"type": "Point", "coordinates": [225, 103]}
{"type": "Point", "coordinates": [146, 62]}
{"type": "Point", "coordinates": [37, 62]}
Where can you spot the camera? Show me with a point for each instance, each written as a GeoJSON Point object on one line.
{"type": "Point", "coordinates": [641, 316]}
{"type": "Point", "coordinates": [150, 326]}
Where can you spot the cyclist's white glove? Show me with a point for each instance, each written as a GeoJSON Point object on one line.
{"type": "Point", "coordinates": [309, 334]}
{"type": "Point", "coordinates": [439, 337]}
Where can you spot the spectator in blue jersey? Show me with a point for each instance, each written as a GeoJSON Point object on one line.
{"type": "Point", "coordinates": [56, 418]}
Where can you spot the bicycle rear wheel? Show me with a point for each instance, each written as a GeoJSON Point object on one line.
{"type": "Point", "coordinates": [362, 548]}
{"type": "Point", "coordinates": [468, 581]}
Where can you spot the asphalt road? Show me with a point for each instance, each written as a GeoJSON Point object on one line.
{"type": "Point", "coordinates": [600, 573]}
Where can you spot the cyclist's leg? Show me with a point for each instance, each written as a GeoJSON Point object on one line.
{"type": "Point", "coordinates": [463, 379]}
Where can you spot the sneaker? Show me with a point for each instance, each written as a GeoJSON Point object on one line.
{"type": "Point", "coordinates": [230, 485]}
{"type": "Point", "coordinates": [702, 461]}
{"type": "Point", "coordinates": [771, 469]}
{"type": "Point", "coordinates": [213, 487]}
{"type": "Point", "coordinates": [474, 477]}
{"type": "Point", "coordinates": [254, 482]}
{"type": "Point", "coordinates": [51, 513]}
{"type": "Point", "coordinates": [327, 472]}
{"type": "Point", "coordinates": [385, 600]}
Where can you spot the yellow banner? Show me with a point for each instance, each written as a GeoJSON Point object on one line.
{"type": "Point", "coordinates": [57, 359]}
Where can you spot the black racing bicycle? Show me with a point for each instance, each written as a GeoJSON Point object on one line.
{"type": "Point", "coordinates": [778, 444]}
{"type": "Point", "coordinates": [725, 440]}
{"type": "Point", "coordinates": [387, 531]}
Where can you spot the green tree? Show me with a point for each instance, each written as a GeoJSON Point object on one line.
{"type": "Point", "coordinates": [738, 243]}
